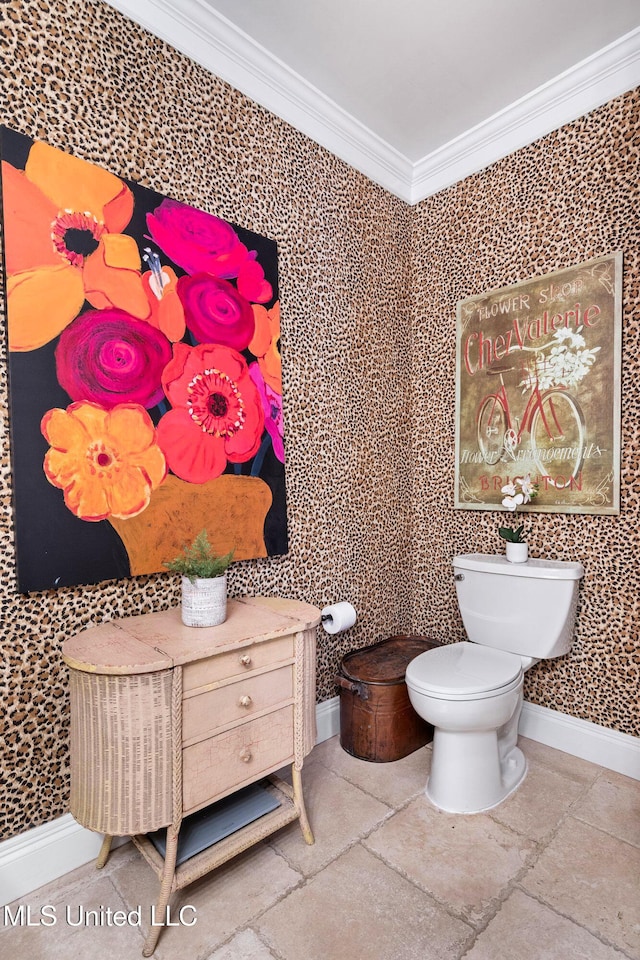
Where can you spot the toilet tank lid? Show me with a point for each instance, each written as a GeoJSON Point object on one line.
{"type": "Point", "coordinates": [533, 568]}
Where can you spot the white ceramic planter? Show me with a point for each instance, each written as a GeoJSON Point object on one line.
{"type": "Point", "coordinates": [517, 552]}
{"type": "Point", "coordinates": [204, 602]}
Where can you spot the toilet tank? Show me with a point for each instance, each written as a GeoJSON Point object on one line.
{"type": "Point", "coordinates": [523, 608]}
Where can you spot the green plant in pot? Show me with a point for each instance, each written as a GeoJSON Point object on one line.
{"type": "Point", "coordinates": [517, 549]}
{"type": "Point", "coordinates": [204, 582]}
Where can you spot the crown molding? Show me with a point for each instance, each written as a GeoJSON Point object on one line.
{"type": "Point", "coordinates": [195, 29]}
{"type": "Point", "coordinates": [594, 81]}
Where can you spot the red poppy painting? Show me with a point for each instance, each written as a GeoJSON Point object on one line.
{"type": "Point", "coordinates": [145, 374]}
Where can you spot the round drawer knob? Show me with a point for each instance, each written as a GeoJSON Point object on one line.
{"type": "Point", "coordinates": [245, 701]}
{"type": "Point", "coordinates": [245, 660]}
{"type": "Point", "coordinates": [245, 756]}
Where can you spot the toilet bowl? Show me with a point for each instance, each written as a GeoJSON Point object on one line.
{"type": "Point", "coordinates": [475, 760]}
{"type": "Point", "coordinates": [471, 691]}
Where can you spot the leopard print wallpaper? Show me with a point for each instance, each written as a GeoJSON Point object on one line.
{"type": "Point", "coordinates": [368, 290]}
{"type": "Point", "coordinates": [571, 196]}
{"type": "Point", "coordinates": [82, 77]}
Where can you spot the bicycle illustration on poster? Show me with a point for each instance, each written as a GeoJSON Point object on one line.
{"type": "Point", "coordinates": [538, 390]}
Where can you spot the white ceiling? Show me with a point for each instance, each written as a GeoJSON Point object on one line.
{"type": "Point", "coordinates": [415, 93]}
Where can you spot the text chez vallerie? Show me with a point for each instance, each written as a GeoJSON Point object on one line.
{"type": "Point", "coordinates": [48, 915]}
{"type": "Point", "coordinates": [479, 351]}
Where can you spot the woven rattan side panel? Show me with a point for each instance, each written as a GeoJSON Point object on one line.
{"type": "Point", "coordinates": [306, 731]}
{"type": "Point", "coordinates": [121, 751]}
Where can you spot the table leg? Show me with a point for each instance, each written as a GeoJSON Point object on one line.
{"type": "Point", "coordinates": [105, 849]}
{"type": "Point", "coordinates": [166, 884]}
{"type": "Point", "coordinates": [298, 800]}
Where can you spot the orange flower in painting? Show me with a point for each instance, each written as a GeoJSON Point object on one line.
{"type": "Point", "coordinates": [107, 462]}
{"type": "Point", "coordinates": [265, 344]}
{"type": "Point", "coordinates": [64, 245]}
{"type": "Point", "coordinates": [161, 287]}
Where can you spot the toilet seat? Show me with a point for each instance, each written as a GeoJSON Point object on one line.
{"type": "Point", "coordinates": [464, 671]}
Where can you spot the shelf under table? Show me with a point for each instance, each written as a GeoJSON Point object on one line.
{"type": "Point", "coordinates": [230, 846]}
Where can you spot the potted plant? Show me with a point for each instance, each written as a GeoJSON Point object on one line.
{"type": "Point", "coordinates": [517, 547]}
{"type": "Point", "coordinates": [204, 582]}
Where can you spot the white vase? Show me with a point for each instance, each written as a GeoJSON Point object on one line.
{"type": "Point", "coordinates": [204, 602]}
{"type": "Point", "coordinates": [517, 552]}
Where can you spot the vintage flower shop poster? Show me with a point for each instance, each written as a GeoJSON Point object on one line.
{"type": "Point", "coordinates": [144, 374]}
{"type": "Point", "coordinates": [538, 390]}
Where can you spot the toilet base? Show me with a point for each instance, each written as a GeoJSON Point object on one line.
{"type": "Point", "coordinates": [471, 774]}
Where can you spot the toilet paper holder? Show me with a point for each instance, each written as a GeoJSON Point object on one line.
{"type": "Point", "coordinates": [338, 617]}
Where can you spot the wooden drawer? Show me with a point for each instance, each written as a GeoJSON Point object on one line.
{"type": "Point", "coordinates": [207, 712]}
{"type": "Point", "coordinates": [254, 656]}
{"type": "Point", "coordinates": [215, 767]}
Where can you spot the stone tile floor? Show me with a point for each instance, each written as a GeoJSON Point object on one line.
{"type": "Point", "coordinates": [553, 873]}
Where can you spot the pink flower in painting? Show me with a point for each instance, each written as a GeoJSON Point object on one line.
{"type": "Point", "coordinates": [109, 357]}
{"type": "Point", "coordinates": [197, 241]}
{"type": "Point", "coordinates": [252, 284]}
{"type": "Point", "coordinates": [272, 407]}
{"type": "Point", "coordinates": [217, 415]}
{"type": "Point", "coordinates": [215, 311]}
{"type": "Point", "coordinates": [201, 243]}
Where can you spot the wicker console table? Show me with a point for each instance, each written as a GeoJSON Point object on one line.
{"type": "Point", "coordinates": [168, 719]}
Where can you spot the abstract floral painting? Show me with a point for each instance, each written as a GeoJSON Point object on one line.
{"type": "Point", "coordinates": [145, 374]}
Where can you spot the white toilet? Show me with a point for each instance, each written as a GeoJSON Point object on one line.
{"type": "Point", "coordinates": [514, 614]}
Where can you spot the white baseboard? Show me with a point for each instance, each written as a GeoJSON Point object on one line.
{"type": "Point", "coordinates": [43, 854]}
{"type": "Point", "coordinates": [589, 741]}
{"type": "Point", "coordinates": [608, 748]}
{"type": "Point", "coordinates": [328, 719]}
{"type": "Point", "coordinates": [46, 853]}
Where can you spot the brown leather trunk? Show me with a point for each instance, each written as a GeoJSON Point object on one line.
{"type": "Point", "coordinates": [377, 721]}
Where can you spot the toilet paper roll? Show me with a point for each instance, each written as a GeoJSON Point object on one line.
{"type": "Point", "coordinates": [338, 617]}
